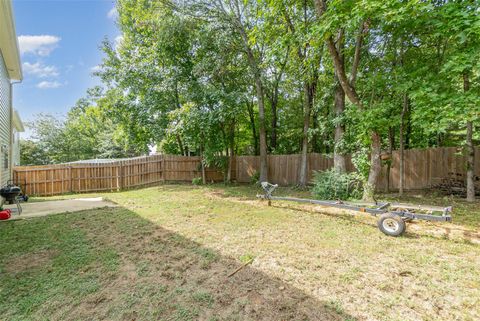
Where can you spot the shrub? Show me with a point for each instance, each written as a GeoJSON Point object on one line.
{"type": "Point", "coordinates": [255, 178]}
{"type": "Point", "coordinates": [197, 181]}
{"type": "Point", "coordinates": [332, 185]}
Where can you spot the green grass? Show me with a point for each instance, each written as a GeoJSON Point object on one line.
{"type": "Point", "coordinates": [167, 252]}
{"type": "Point", "coordinates": [465, 213]}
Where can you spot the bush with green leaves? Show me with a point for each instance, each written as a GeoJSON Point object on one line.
{"type": "Point", "coordinates": [255, 178]}
{"type": "Point", "coordinates": [197, 181]}
{"type": "Point", "coordinates": [333, 185]}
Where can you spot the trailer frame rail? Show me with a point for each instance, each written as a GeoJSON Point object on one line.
{"type": "Point", "coordinates": [393, 217]}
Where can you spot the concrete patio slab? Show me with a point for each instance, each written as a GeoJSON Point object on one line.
{"type": "Point", "coordinates": [38, 209]}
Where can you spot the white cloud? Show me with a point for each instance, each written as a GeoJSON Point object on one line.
{"type": "Point", "coordinates": [40, 70]}
{"type": "Point", "coordinates": [41, 45]}
{"type": "Point", "coordinates": [48, 84]}
{"type": "Point", "coordinates": [113, 13]}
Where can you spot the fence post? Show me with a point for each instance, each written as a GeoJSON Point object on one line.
{"type": "Point", "coordinates": [163, 168]}
{"type": "Point", "coordinates": [52, 172]}
{"type": "Point", "coordinates": [70, 188]}
{"type": "Point", "coordinates": [34, 180]}
{"type": "Point", "coordinates": [121, 176]}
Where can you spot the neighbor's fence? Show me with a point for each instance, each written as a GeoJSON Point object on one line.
{"type": "Point", "coordinates": [116, 175]}
{"type": "Point", "coordinates": [423, 169]}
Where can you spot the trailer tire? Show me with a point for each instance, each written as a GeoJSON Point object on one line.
{"type": "Point", "coordinates": [391, 224]}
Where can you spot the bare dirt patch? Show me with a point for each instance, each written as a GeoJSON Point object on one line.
{"type": "Point", "coordinates": [29, 261]}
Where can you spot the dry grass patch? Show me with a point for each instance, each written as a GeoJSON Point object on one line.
{"type": "Point", "coordinates": [29, 261]}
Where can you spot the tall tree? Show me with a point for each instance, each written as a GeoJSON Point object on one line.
{"type": "Point", "coordinates": [243, 17]}
{"type": "Point", "coordinates": [299, 20]}
{"type": "Point", "coordinates": [348, 85]}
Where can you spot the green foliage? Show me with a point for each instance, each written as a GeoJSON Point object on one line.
{"type": "Point", "coordinates": [31, 153]}
{"type": "Point", "coordinates": [255, 178]}
{"type": "Point", "coordinates": [361, 161]}
{"type": "Point", "coordinates": [197, 181]}
{"type": "Point", "coordinates": [87, 132]}
{"type": "Point", "coordinates": [218, 161]}
{"type": "Point", "coordinates": [47, 144]}
{"type": "Point", "coordinates": [333, 185]}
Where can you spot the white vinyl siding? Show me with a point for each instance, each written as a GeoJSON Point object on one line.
{"type": "Point", "coordinates": [5, 123]}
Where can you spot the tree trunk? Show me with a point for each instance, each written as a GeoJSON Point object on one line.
{"type": "Point", "coordinates": [202, 166]}
{"type": "Point", "coordinates": [401, 182]}
{"type": "Point", "coordinates": [470, 150]}
{"type": "Point", "coordinates": [263, 134]}
{"type": "Point", "coordinates": [232, 152]}
{"type": "Point", "coordinates": [391, 144]}
{"type": "Point", "coordinates": [375, 167]}
{"type": "Point", "coordinates": [338, 157]}
{"type": "Point", "coordinates": [255, 69]}
{"type": "Point", "coordinates": [180, 145]}
{"type": "Point", "coordinates": [315, 141]}
{"type": "Point", "coordinates": [251, 115]}
{"type": "Point", "coordinates": [339, 108]}
{"type": "Point", "coordinates": [204, 175]}
{"type": "Point", "coordinates": [307, 107]}
{"type": "Point", "coordinates": [408, 127]}
{"type": "Point", "coordinates": [228, 174]}
{"type": "Point", "coordinates": [470, 163]}
{"type": "Point", "coordinates": [273, 137]}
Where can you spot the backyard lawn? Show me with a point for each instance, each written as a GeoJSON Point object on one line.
{"type": "Point", "coordinates": [168, 251]}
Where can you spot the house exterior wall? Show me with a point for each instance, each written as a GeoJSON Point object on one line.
{"type": "Point", "coordinates": [5, 123]}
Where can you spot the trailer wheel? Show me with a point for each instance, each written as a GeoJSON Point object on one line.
{"type": "Point", "coordinates": [391, 224]}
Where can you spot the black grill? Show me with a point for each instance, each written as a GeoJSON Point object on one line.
{"type": "Point", "coordinates": [10, 193]}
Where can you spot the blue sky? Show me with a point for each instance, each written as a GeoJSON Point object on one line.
{"type": "Point", "coordinates": [59, 43]}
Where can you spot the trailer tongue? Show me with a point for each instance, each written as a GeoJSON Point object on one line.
{"type": "Point", "coordinates": [393, 217]}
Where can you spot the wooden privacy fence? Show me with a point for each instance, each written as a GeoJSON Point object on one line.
{"type": "Point", "coordinates": [423, 169]}
{"type": "Point", "coordinates": [110, 176]}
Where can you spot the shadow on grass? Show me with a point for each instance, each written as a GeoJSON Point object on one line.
{"type": "Point", "coordinates": [113, 264]}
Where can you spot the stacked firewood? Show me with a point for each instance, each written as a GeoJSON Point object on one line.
{"type": "Point", "coordinates": [456, 184]}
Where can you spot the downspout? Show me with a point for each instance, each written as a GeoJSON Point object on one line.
{"type": "Point", "coordinates": [10, 147]}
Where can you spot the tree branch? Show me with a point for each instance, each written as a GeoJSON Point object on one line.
{"type": "Point", "coordinates": [342, 77]}
{"type": "Point", "coordinates": [358, 51]}
{"type": "Point", "coordinates": [338, 64]}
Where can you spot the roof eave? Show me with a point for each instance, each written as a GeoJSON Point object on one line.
{"type": "Point", "coordinates": [9, 42]}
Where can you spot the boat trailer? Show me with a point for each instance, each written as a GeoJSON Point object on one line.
{"type": "Point", "coordinates": [393, 217]}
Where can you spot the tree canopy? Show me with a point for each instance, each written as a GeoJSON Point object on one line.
{"type": "Point", "coordinates": [224, 77]}
{"type": "Point", "coordinates": [86, 132]}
